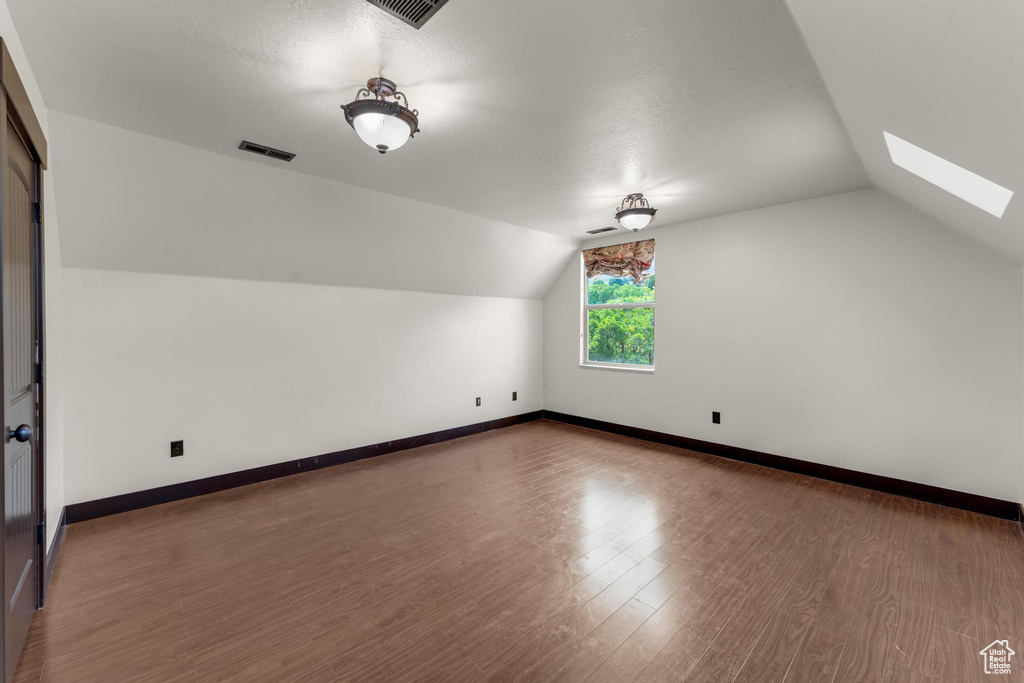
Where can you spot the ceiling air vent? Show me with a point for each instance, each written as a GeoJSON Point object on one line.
{"type": "Point", "coordinates": [265, 151]}
{"type": "Point", "coordinates": [598, 231]}
{"type": "Point", "coordinates": [413, 12]}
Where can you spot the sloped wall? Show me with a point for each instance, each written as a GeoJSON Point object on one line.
{"type": "Point", "coordinates": [849, 330]}
{"type": "Point", "coordinates": [139, 203]}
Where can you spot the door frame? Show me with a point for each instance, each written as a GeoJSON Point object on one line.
{"type": "Point", "coordinates": [16, 107]}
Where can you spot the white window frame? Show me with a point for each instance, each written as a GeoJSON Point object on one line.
{"type": "Point", "coordinates": [585, 308]}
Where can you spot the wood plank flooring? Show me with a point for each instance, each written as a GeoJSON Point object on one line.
{"type": "Point", "coordinates": [537, 552]}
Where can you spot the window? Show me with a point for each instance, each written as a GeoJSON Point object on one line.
{"type": "Point", "coordinates": [970, 187]}
{"type": "Point", "coordinates": [618, 306]}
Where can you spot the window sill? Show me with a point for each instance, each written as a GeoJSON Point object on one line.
{"type": "Point", "coordinates": [618, 368]}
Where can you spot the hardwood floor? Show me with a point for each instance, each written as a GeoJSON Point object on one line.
{"type": "Point", "coordinates": [538, 552]}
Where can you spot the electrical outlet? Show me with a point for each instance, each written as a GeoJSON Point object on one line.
{"type": "Point", "coordinates": [177, 449]}
{"type": "Point", "coordinates": [515, 395]}
{"type": "Point", "coordinates": [477, 401]}
{"type": "Point", "coordinates": [716, 417]}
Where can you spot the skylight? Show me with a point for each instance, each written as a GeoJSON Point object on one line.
{"type": "Point", "coordinates": [968, 186]}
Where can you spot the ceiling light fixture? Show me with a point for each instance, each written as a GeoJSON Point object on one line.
{"type": "Point", "coordinates": [635, 213]}
{"type": "Point", "coordinates": [379, 123]}
{"type": "Point", "coordinates": [968, 186]}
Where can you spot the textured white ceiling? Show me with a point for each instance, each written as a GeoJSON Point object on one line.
{"type": "Point", "coordinates": [535, 113]}
{"type": "Point", "coordinates": [941, 74]}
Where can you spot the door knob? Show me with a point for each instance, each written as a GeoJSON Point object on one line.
{"type": "Point", "coordinates": [22, 433]}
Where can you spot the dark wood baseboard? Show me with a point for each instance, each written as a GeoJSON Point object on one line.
{"type": "Point", "coordinates": [52, 555]}
{"type": "Point", "coordinates": [81, 512]}
{"type": "Point", "coordinates": [933, 494]}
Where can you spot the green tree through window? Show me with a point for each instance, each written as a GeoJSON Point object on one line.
{"type": "Point", "coordinates": [620, 320]}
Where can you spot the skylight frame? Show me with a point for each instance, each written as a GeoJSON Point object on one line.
{"type": "Point", "coordinates": [958, 181]}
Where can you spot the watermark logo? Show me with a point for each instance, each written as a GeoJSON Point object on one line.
{"type": "Point", "coordinates": [997, 657]}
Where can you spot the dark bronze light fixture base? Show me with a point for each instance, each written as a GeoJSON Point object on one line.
{"type": "Point", "coordinates": [381, 87]}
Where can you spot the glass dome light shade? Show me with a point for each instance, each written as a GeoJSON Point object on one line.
{"type": "Point", "coordinates": [383, 132]}
{"type": "Point", "coordinates": [382, 125]}
{"type": "Point", "coordinates": [635, 219]}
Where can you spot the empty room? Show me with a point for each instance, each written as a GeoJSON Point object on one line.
{"type": "Point", "coordinates": [332, 346]}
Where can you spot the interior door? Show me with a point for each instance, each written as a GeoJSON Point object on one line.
{"type": "Point", "coordinates": [20, 351]}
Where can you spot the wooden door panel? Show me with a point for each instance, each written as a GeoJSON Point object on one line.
{"type": "Point", "coordinates": [20, 344]}
{"type": "Point", "coordinates": [18, 513]}
{"type": "Point", "coordinates": [18, 327]}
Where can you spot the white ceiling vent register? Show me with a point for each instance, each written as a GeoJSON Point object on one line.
{"type": "Point", "coordinates": [413, 12]}
{"type": "Point", "coordinates": [265, 151]}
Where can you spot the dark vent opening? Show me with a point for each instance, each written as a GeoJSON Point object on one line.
{"type": "Point", "coordinates": [265, 151]}
{"type": "Point", "coordinates": [598, 231]}
{"type": "Point", "coordinates": [413, 12]}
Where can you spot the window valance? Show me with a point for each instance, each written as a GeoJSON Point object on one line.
{"type": "Point", "coordinates": [632, 260]}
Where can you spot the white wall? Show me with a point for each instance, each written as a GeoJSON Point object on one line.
{"type": "Point", "coordinates": [54, 428]}
{"type": "Point", "coordinates": [251, 373]}
{"type": "Point", "coordinates": [850, 330]}
{"type": "Point", "coordinates": [53, 363]}
{"type": "Point", "coordinates": [277, 318]}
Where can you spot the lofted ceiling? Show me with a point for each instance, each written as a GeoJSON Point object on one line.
{"type": "Point", "coordinates": [534, 113]}
{"type": "Point", "coordinates": [941, 74]}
